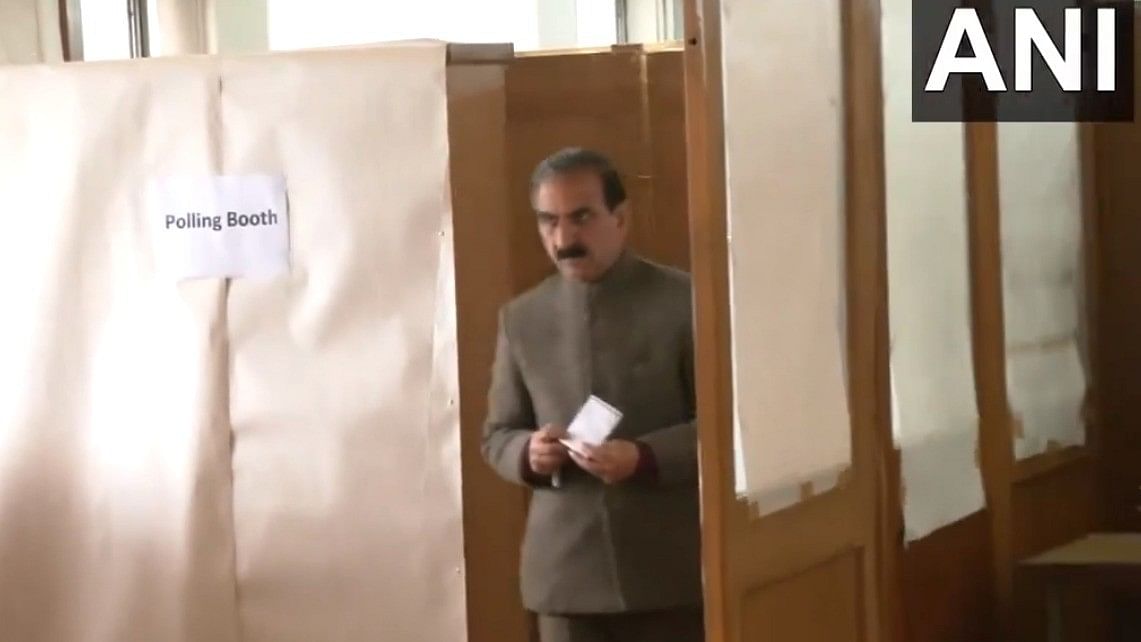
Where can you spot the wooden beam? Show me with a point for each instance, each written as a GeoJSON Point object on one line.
{"type": "Point", "coordinates": [705, 142]}
{"type": "Point", "coordinates": [996, 435]}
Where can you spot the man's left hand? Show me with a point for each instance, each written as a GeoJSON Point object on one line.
{"type": "Point", "coordinates": [613, 461]}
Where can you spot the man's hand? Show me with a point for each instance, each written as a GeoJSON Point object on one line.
{"type": "Point", "coordinates": [613, 461]}
{"type": "Point", "coordinates": [545, 454]}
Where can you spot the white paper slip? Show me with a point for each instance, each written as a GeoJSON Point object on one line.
{"type": "Point", "coordinates": [220, 226]}
{"type": "Point", "coordinates": [593, 423]}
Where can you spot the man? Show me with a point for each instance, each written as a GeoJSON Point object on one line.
{"type": "Point", "coordinates": [612, 545]}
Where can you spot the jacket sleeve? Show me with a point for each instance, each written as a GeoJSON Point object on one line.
{"type": "Point", "coordinates": [675, 447]}
{"type": "Point", "coordinates": [510, 416]}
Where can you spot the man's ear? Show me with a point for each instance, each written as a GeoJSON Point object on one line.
{"type": "Point", "coordinates": [623, 212]}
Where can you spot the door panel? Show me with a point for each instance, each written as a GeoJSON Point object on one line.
{"type": "Point", "coordinates": [810, 571]}
{"type": "Point", "coordinates": [1118, 341]}
{"type": "Point", "coordinates": [948, 584]}
{"type": "Point", "coordinates": [816, 605]}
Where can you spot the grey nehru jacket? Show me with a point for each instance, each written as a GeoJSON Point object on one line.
{"type": "Point", "coordinates": [590, 547]}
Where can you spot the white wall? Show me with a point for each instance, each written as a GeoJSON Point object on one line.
{"type": "Point", "coordinates": [597, 23]}
{"type": "Point", "coordinates": [295, 24]}
{"type": "Point", "coordinates": [241, 26]}
{"type": "Point", "coordinates": [556, 24]}
{"type": "Point", "coordinates": [106, 35]}
{"type": "Point", "coordinates": [248, 26]}
{"type": "Point", "coordinates": [529, 24]}
{"type": "Point", "coordinates": [642, 20]}
{"type": "Point", "coordinates": [654, 20]}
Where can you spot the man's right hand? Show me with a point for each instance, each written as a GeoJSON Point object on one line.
{"type": "Point", "coordinates": [545, 454]}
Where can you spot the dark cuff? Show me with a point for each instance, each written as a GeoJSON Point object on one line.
{"type": "Point", "coordinates": [647, 463]}
{"type": "Point", "coordinates": [529, 476]}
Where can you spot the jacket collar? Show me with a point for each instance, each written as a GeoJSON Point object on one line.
{"type": "Point", "coordinates": [613, 279]}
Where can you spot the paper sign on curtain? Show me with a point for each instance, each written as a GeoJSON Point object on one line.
{"type": "Point", "coordinates": [220, 226]}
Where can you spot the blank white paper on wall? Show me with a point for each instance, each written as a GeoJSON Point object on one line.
{"type": "Point", "coordinates": [1041, 223]}
{"type": "Point", "coordinates": [934, 414]}
{"type": "Point", "coordinates": [785, 178]}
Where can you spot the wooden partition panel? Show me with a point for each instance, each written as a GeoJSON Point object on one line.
{"type": "Point", "coordinates": [1055, 497]}
{"type": "Point", "coordinates": [626, 102]}
{"type": "Point", "coordinates": [1117, 152]}
{"type": "Point", "coordinates": [947, 584]}
{"type": "Point", "coordinates": [493, 511]}
{"type": "Point", "coordinates": [1117, 158]}
{"type": "Point", "coordinates": [664, 229]}
{"type": "Point", "coordinates": [961, 583]}
{"type": "Point", "coordinates": [811, 572]}
{"type": "Point", "coordinates": [942, 587]}
{"type": "Point", "coordinates": [1046, 500]}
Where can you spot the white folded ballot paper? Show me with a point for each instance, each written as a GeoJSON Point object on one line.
{"type": "Point", "coordinates": [592, 425]}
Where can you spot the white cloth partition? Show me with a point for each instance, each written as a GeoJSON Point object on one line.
{"type": "Point", "coordinates": [229, 460]}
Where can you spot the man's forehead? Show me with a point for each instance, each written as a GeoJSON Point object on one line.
{"type": "Point", "coordinates": [569, 197]}
{"type": "Point", "coordinates": [565, 213]}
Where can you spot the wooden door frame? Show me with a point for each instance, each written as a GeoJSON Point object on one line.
{"type": "Point", "coordinates": [705, 142]}
{"type": "Point", "coordinates": [865, 226]}
{"type": "Point", "coordinates": [1002, 472]}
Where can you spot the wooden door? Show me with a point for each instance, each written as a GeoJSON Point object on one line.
{"type": "Point", "coordinates": [1118, 340]}
{"type": "Point", "coordinates": [628, 104]}
{"type": "Point", "coordinates": [810, 572]}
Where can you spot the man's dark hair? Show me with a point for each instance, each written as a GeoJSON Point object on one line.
{"type": "Point", "coordinates": [575, 159]}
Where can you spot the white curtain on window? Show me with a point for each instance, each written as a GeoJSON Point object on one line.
{"type": "Point", "coordinates": [30, 31]}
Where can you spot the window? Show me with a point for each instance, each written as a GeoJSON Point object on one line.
{"type": "Point", "coordinates": [107, 29]}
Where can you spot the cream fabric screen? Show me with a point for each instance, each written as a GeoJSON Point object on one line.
{"type": "Point", "coordinates": [125, 513]}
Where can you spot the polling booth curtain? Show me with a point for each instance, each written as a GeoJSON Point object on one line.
{"type": "Point", "coordinates": [30, 31]}
{"type": "Point", "coordinates": [272, 458]}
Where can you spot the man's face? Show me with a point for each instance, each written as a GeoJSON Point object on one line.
{"type": "Point", "coordinates": [581, 235]}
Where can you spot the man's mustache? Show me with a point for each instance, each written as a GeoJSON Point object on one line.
{"type": "Point", "coordinates": [570, 252]}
